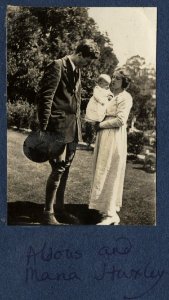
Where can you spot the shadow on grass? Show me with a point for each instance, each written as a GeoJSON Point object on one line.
{"type": "Point", "coordinates": [29, 213]}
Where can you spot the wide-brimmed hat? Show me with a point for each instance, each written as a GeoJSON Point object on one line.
{"type": "Point", "coordinates": [40, 147]}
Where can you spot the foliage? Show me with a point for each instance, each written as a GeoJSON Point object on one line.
{"type": "Point", "coordinates": [144, 111]}
{"type": "Point", "coordinates": [142, 90]}
{"type": "Point", "coordinates": [135, 142]}
{"type": "Point", "coordinates": [20, 114]}
{"type": "Point", "coordinates": [24, 55]}
{"type": "Point", "coordinates": [38, 35]}
{"type": "Point", "coordinates": [134, 64]}
{"type": "Point", "coordinates": [150, 163]}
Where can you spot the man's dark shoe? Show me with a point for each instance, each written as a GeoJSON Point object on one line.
{"type": "Point", "coordinates": [49, 219]}
{"type": "Point", "coordinates": [66, 217]}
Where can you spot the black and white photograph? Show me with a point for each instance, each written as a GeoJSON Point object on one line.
{"type": "Point", "coordinates": [81, 115]}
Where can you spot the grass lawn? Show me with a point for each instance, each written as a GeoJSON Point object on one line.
{"type": "Point", "coordinates": [27, 181]}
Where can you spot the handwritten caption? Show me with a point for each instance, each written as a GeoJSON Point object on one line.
{"type": "Point", "coordinates": [110, 264]}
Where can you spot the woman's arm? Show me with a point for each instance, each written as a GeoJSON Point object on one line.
{"type": "Point", "coordinates": [110, 123]}
{"type": "Point", "coordinates": [123, 111]}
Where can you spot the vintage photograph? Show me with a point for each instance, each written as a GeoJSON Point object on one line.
{"type": "Point", "coordinates": [81, 115]}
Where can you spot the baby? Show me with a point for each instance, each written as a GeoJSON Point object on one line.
{"type": "Point", "coordinates": [96, 108]}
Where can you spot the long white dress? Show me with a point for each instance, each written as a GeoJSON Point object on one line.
{"type": "Point", "coordinates": [110, 153]}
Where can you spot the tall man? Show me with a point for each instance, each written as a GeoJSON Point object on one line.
{"type": "Point", "coordinates": [59, 111]}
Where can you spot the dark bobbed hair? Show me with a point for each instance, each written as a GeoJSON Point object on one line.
{"type": "Point", "coordinates": [125, 82]}
{"type": "Point", "coordinates": [125, 78]}
{"type": "Point", "coordinates": [88, 48]}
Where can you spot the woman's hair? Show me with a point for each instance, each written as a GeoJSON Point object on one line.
{"type": "Point", "coordinates": [125, 78]}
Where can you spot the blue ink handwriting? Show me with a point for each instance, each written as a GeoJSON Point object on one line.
{"type": "Point", "coordinates": [45, 264]}
{"type": "Point", "coordinates": [47, 254]}
{"type": "Point", "coordinates": [33, 274]}
{"type": "Point", "coordinates": [145, 272]}
{"type": "Point", "coordinates": [122, 247]}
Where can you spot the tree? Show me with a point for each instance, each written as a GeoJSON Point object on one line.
{"type": "Point", "coordinates": [142, 89]}
{"type": "Point", "coordinates": [23, 54]}
{"type": "Point", "coordinates": [134, 65]}
{"type": "Point", "coordinates": [38, 35]}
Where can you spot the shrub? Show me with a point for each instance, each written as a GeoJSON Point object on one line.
{"type": "Point", "coordinates": [150, 162]}
{"type": "Point", "coordinates": [135, 142]}
{"type": "Point", "coordinates": [20, 114]}
{"type": "Point", "coordinates": [150, 140]}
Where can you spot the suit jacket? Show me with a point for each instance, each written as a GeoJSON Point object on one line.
{"type": "Point", "coordinates": [59, 101]}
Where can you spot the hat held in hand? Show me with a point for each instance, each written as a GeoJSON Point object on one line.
{"type": "Point", "coordinates": [40, 147]}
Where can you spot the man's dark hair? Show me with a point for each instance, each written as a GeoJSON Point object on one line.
{"type": "Point", "coordinates": [88, 48]}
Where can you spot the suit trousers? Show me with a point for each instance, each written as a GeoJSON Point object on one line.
{"type": "Point", "coordinates": [57, 180]}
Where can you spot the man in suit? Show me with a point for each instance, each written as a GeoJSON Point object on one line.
{"type": "Point", "coordinates": [59, 101]}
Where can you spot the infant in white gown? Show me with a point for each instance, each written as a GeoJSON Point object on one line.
{"type": "Point", "coordinates": [96, 108]}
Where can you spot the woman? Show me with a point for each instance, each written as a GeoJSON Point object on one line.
{"type": "Point", "coordinates": [110, 153]}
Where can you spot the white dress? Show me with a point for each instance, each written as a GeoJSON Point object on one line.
{"type": "Point", "coordinates": [110, 153]}
{"type": "Point", "coordinates": [96, 108]}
